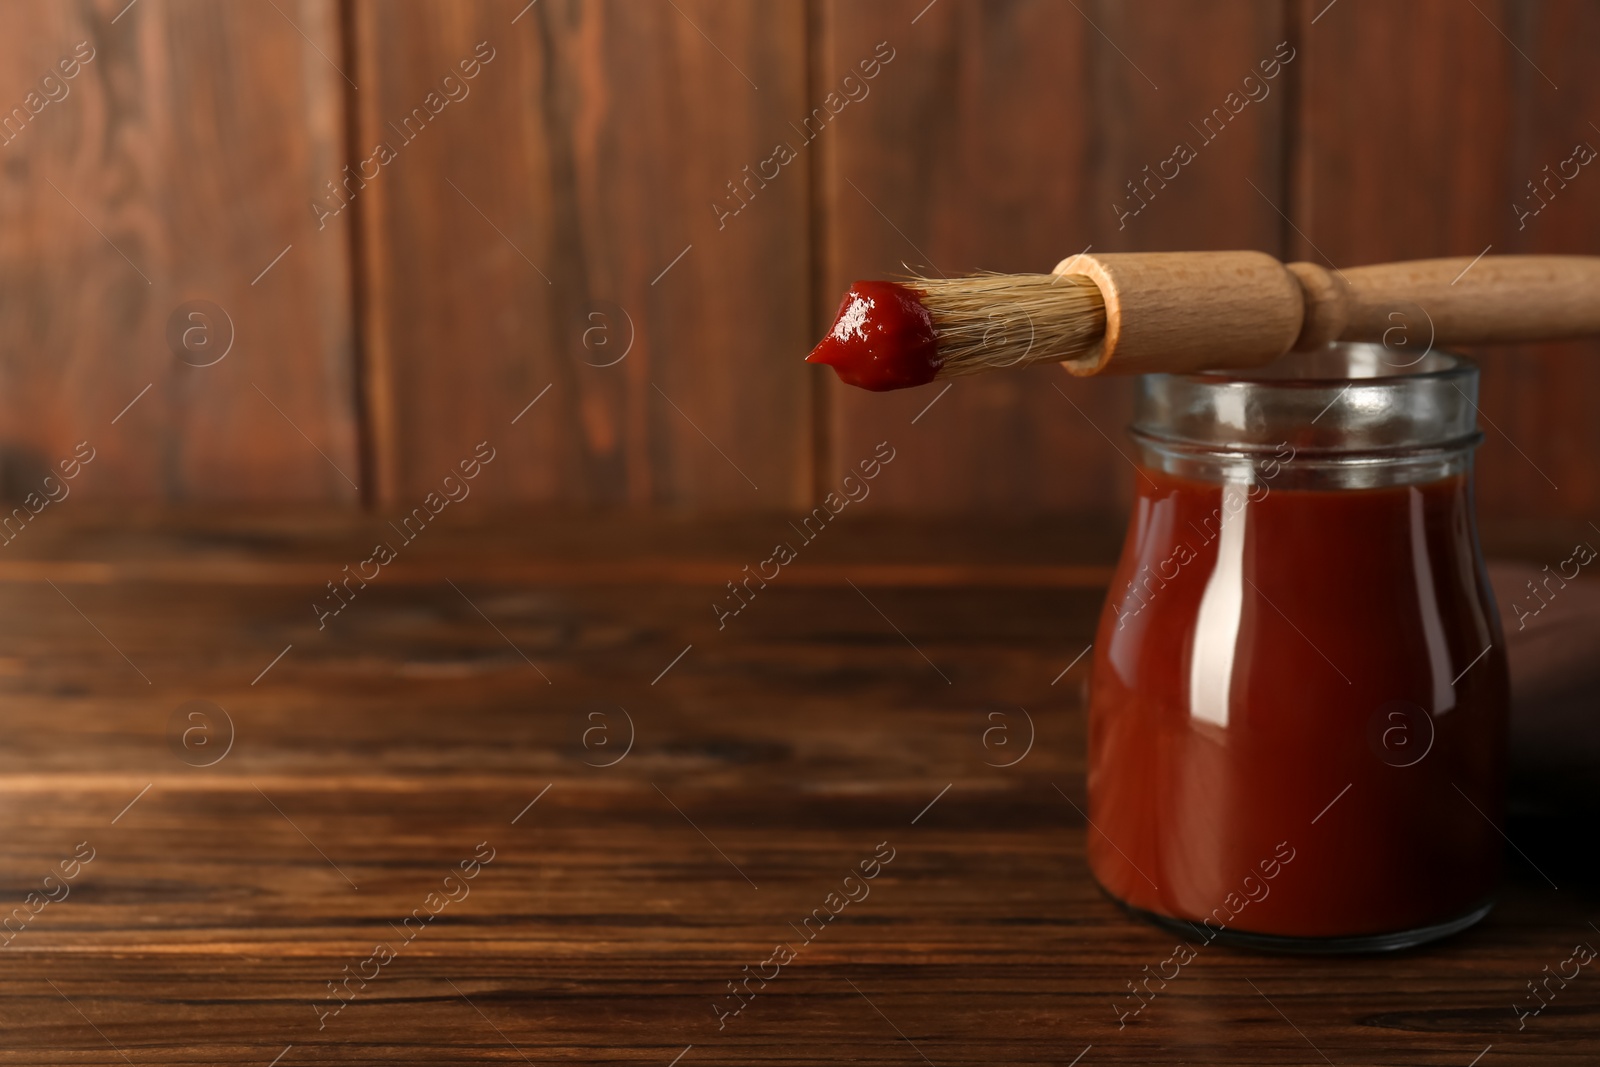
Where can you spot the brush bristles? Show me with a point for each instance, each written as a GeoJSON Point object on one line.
{"type": "Point", "coordinates": [994, 321]}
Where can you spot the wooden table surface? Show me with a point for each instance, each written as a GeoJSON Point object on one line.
{"type": "Point", "coordinates": [458, 717]}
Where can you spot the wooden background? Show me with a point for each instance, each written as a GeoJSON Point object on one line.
{"type": "Point", "coordinates": [562, 214]}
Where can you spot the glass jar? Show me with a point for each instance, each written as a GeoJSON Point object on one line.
{"type": "Point", "coordinates": [1298, 713]}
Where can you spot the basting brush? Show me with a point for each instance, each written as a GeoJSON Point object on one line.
{"type": "Point", "coordinates": [1180, 312]}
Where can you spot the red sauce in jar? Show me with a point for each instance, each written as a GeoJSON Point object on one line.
{"type": "Point", "coordinates": [1300, 673]}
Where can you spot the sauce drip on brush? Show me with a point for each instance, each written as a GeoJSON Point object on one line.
{"type": "Point", "coordinates": [889, 335]}
{"type": "Point", "coordinates": [883, 338]}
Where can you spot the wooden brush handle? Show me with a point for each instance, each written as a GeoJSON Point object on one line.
{"type": "Point", "coordinates": [1187, 311]}
{"type": "Point", "coordinates": [1495, 299]}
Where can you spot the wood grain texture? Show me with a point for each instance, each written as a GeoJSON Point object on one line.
{"type": "Point", "coordinates": [531, 236]}
{"type": "Point", "coordinates": [375, 756]}
{"type": "Point", "coordinates": [1002, 137]}
{"type": "Point", "coordinates": [175, 166]}
{"type": "Point", "coordinates": [1421, 128]}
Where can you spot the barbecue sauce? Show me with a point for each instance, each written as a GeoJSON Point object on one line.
{"type": "Point", "coordinates": [1297, 722]}
{"type": "Point", "coordinates": [883, 338]}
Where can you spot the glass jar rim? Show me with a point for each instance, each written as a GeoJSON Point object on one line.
{"type": "Point", "coordinates": [1286, 371]}
{"type": "Point", "coordinates": [1349, 413]}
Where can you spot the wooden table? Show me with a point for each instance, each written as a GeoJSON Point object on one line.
{"type": "Point", "coordinates": [462, 710]}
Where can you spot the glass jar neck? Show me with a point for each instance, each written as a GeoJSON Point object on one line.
{"type": "Point", "coordinates": [1347, 416]}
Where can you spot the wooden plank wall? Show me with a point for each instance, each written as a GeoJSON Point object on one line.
{"type": "Point", "coordinates": [1422, 128]}
{"type": "Point", "coordinates": [549, 208]}
{"type": "Point", "coordinates": [174, 167]}
{"type": "Point", "coordinates": [550, 204]}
